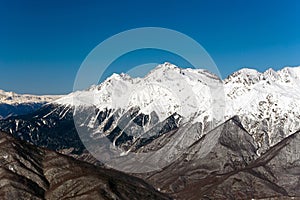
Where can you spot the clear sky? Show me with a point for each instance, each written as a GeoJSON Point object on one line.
{"type": "Point", "coordinates": [43, 43]}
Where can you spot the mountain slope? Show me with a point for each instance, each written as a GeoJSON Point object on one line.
{"type": "Point", "coordinates": [55, 132]}
{"type": "Point", "coordinates": [224, 165]}
{"type": "Point", "coordinates": [225, 149]}
{"type": "Point", "coordinates": [274, 175]}
{"type": "Point", "coordinates": [28, 172]}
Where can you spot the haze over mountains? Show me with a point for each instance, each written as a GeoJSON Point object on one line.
{"type": "Point", "coordinates": [209, 138]}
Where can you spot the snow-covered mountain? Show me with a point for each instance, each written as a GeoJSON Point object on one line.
{"type": "Point", "coordinates": [178, 129]}
{"type": "Point", "coordinates": [12, 98]}
{"type": "Point", "coordinates": [131, 112]}
{"type": "Point", "coordinates": [168, 89]}
{"type": "Point", "coordinates": [268, 103]}
{"type": "Point", "coordinates": [18, 104]}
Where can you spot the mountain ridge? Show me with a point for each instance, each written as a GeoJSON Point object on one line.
{"type": "Point", "coordinates": [29, 172]}
{"type": "Point", "coordinates": [12, 104]}
{"type": "Point", "coordinates": [228, 173]}
{"type": "Point", "coordinates": [268, 111]}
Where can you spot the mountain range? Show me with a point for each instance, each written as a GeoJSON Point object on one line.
{"type": "Point", "coordinates": [194, 135]}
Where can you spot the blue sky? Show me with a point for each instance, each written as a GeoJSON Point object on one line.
{"type": "Point", "coordinates": [43, 43]}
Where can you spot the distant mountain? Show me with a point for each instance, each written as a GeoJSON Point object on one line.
{"type": "Point", "coordinates": [29, 172]}
{"type": "Point", "coordinates": [12, 104]}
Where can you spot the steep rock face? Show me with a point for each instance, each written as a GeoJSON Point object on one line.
{"type": "Point", "coordinates": [224, 165]}
{"type": "Point", "coordinates": [28, 172]}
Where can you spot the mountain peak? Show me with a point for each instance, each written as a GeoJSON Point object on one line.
{"type": "Point", "coordinates": [163, 68]}
{"type": "Point", "coordinates": [244, 76]}
{"type": "Point", "coordinates": [271, 74]}
{"type": "Point", "coordinates": [168, 64]}
{"type": "Point", "coordinates": [167, 89]}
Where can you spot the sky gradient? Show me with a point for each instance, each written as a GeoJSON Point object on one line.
{"type": "Point", "coordinates": [43, 43]}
